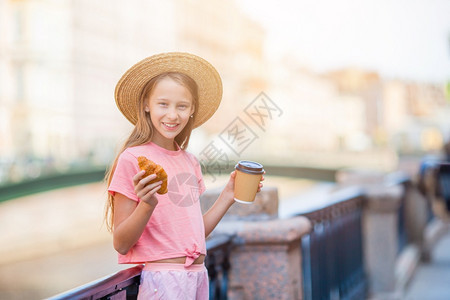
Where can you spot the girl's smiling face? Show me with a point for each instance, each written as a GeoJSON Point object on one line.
{"type": "Point", "coordinates": [170, 106]}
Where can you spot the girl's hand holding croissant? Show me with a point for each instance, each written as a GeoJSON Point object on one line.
{"type": "Point", "coordinates": [145, 190]}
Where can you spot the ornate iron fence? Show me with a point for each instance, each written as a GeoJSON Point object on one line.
{"type": "Point", "coordinates": [332, 254]}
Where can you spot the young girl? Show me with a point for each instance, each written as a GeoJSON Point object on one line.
{"type": "Point", "coordinates": [165, 96]}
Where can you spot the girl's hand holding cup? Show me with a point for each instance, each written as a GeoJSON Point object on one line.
{"type": "Point", "coordinates": [260, 186]}
{"type": "Point", "coordinates": [145, 191]}
{"type": "Point", "coordinates": [247, 181]}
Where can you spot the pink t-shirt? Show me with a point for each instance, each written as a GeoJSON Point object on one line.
{"type": "Point", "coordinates": [176, 227]}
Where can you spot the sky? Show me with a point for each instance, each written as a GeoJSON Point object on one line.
{"type": "Point", "coordinates": [401, 39]}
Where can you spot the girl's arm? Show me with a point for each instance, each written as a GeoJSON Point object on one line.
{"type": "Point", "coordinates": [213, 216]}
{"type": "Point", "coordinates": [130, 217]}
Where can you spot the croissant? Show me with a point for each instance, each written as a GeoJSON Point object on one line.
{"type": "Point", "coordinates": [151, 168]}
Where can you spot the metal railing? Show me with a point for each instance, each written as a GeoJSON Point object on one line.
{"type": "Point", "coordinates": [443, 184]}
{"type": "Point", "coordinates": [91, 174]}
{"type": "Point", "coordinates": [50, 182]}
{"type": "Point", "coordinates": [332, 254]}
{"type": "Point", "coordinates": [218, 264]}
{"type": "Point", "coordinates": [121, 285]}
{"type": "Point", "coordinates": [125, 284]}
{"type": "Point", "coordinates": [403, 236]}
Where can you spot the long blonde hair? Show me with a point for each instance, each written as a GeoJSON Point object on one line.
{"type": "Point", "coordinates": [143, 130]}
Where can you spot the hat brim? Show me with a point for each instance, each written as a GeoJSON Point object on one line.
{"type": "Point", "coordinates": [129, 88]}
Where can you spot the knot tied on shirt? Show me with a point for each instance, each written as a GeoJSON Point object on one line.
{"type": "Point", "coordinates": [191, 256]}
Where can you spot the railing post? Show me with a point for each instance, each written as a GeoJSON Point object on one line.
{"type": "Point", "coordinates": [266, 262]}
{"type": "Point", "coordinates": [380, 232]}
{"type": "Point", "coordinates": [266, 257]}
{"type": "Point", "coordinates": [417, 210]}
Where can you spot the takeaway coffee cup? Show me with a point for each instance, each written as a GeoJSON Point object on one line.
{"type": "Point", "coordinates": [248, 176]}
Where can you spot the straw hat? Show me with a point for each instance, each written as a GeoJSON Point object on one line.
{"type": "Point", "coordinates": [129, 88]}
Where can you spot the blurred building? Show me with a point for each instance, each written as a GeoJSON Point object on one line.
{"type": "Point", "coordinates": [351, 117]}
{"type": "Point", "coordinates": [416, 116]}
{"type": "Point", "coordinates": [233, 43]}
{"type": "Point", "coordinates": [407, 116]}
{"type": "Point", "coordinates": [60, 61]}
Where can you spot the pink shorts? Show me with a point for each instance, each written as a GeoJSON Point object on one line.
{"type": "Point", "coordinates": [174, 281]}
